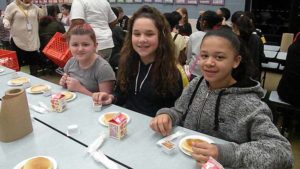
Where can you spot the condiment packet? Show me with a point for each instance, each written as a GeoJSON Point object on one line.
{"type": "Point", "coordinates": [212, 164]}
{"type": "Point", "coordinates": [96, 144]}
{"type": "Point", "coordinates": [100, 157]}
{"type": "Point", "coordinates": [168, 147]}
{"type": "Point", "coordinates": [170, 137]}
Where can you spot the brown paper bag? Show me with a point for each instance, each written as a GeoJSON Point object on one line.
{"type": "Point", "coordinates": [15, 121]}
{"type": "Point", "coordinates": [286, 41]}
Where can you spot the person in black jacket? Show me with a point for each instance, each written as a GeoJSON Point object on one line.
{"type": "Point", "coordinates": [148, 78]}
{"type": "Point", "coordinates": [288, 88]}
{"type": "Point", "coordinates": [184, 27]}
{"type": "Point", "coordinates": [118, 35]}
{"type": "Point", "coordinates": [243, 26]}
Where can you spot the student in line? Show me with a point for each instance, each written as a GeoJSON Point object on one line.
{"type": "Point", "coordinates": [148, 78]}
{"type": "Point", "coordinates": [225, 103]}
{"type": "Point", "coordinates": [86, 72]}
{"type": "Point", "coordinates": [184, 27]}
{"type": "Point", "coordinates": [209, 21]}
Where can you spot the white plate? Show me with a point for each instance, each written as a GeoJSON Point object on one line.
{"type": "Point", "coordinates": [73, 96]}
{"type": "Point", "coordinates": [194, 137]}
{"type": "Point", "coordinates": [101, 118]}
{"type": "Point", "coordinates": [21, 164]}
{"type": "Point", "coordinates": [28, 90]}
{"type": "Point", "coordinates": [14, 84]}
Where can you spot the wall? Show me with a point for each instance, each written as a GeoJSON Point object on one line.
{"type": "Point", "coordinates": [193, 10]}
{"type": "Point", "coordinates": [129, 9]}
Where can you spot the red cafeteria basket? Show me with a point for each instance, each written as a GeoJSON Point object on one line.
{"type": "Point", "coordinates": [57, 50]}
{"type": "Point", "coordinates": [9, 59]}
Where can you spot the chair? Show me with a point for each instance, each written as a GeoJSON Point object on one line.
{"type": "Point", "coordinates": [286, 41]}
{"type": "Point", "coordinates": [284, 113]}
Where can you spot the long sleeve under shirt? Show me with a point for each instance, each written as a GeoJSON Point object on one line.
{"type": "Point", "coordinates": [146, 101]}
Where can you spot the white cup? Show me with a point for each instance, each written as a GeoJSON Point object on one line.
{"type": "Point", "coordinates": [26, 85]}
{"type": "Point", "coordinates": [97, 107]}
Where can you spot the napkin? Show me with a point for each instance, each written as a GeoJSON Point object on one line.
{"type": "Point", "coordinates": [98, 155]}
{"type": "Point", "coordinates": [37, 109]}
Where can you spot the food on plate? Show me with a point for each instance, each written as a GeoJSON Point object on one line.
{"type": "Point", "coordinates": [108, 117]}
{"type": "Point", "coordinates": [38, 88]}
{"type": "Point", "coordinates": [38, 163]}
{"type": "Point", "coordinates": [168, 144]}
{"type": "Point", "coordinates": [19, 80]}
{"type": "Point", "coordinates": [68, 95]}
{"type": "Point", "coordinates": [187, 144]}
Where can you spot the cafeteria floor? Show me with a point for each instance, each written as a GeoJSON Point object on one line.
{"type": "Point", "coordinates": [271, 83]}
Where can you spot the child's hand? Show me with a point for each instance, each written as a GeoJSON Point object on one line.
{"type": "Point", "coordinates": [202, 151]}
{"type": "Point", "coordinates": [162, 124]}
{"type": "Point", "coordinates": [63, 80]}
{"type": "Point", "coordinates": [73, 84]}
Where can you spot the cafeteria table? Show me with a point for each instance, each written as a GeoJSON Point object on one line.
{"type": "Point", "coordinates": [137, 150]}
{"type": "Point", "coordinates": [4, 70]}
{"type": "Point", "coordinates": [44, 141]}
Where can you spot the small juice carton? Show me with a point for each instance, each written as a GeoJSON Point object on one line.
{"type": "Point", "coordinates": [58, 102]}
{"type": "Point", "coordinates": [117, 126]}
{"type": "Point", "coordinates": [212, 164]}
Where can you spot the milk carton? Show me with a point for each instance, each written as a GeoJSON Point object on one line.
{"type": "Point", "coordinates": [58, 102]}
{"type": "Point", "coordinates": [117, 126]}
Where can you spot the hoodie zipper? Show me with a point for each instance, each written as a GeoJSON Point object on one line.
{"type": "Point", "coordinates": [199, 117]}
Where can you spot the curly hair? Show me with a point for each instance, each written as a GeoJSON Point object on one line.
{"type": "Point", "coordinates": [164, 73]}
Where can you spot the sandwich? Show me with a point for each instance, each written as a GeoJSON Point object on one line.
{"type": "Point", "coordinates": [108, 117]}
{"type": "Point", "coordinates": [19, 80]}
{"type": "Point", "coordinates": [68, 95]}
{"type": "Point", "coordinates": [38, 88]}
{"type": "Point", "coordinates": [38, 163]}
{"type": "Point", "coordinates": [188, 144]}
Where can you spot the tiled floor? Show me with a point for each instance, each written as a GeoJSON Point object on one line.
{"type": "Point", "coordinates": [270, 84]}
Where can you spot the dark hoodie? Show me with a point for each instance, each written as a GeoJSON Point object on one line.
{"type": "Point", "coordinates": [235, 114]}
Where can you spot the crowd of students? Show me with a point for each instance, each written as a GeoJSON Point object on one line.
{"type": "Point", "coordinates": [222, 99]}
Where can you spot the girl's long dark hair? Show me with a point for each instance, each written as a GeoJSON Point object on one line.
{"type": "Point", "coordinates": [164, 73]}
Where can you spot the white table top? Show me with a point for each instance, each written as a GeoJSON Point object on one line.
{"type": "Point", "coordinates": [271, 47]}
{"type": "Point", "coordinates": [281, 55]}
{"type": "Point", "coordinates": [275, 98]}
{"type": "Point", "coordinates": [44, 141]}
{"type": "Point", "coordinates": [137, 150]}
{"type": "Point", "coordinates": [4, 70]}
{"type": "Point", "coordinates": [270, 65]}
{"type": "Point", "coordinates": [270, 54]}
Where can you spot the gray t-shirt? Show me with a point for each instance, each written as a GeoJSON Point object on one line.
{"type": "Point", "coordinates": [90, 78]}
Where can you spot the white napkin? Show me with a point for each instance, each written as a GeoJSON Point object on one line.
{"type": "Point", "coordinates": [96, 144]}
{"type": "Point", "coordinates": [37, 109]}
{"type": "Point", "coordinates": [98, 155]}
